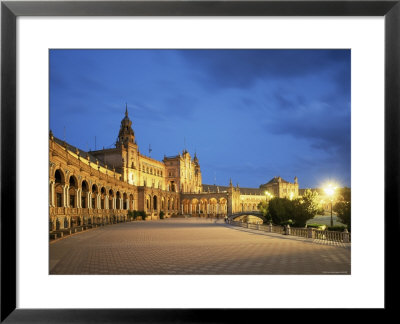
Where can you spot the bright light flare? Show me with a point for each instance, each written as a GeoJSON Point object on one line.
{"type": "Point", "coordinates": [329, 189]}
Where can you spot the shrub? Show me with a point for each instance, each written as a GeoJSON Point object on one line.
{"type": "Point", "coordinates": [131, 214]}
{"type": "Point", "coordinates": [343, 210]}
{"type": "Point", "coordinates": [162, 215]}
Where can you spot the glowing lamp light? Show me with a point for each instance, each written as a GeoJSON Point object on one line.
{"type": "Point", "coordinates": [330, 190]}
{"type": "Point", "coordinates": [268, 194]}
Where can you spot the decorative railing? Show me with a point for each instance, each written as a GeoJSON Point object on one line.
{"type": "Point", "coordinates": [302, 232]}
{"type": "Point", "coordinates": [311, 233]}
{"type": "Point", "coordinates": [343, 237]}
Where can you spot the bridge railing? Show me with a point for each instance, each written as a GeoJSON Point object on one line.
{"type": "Point", "coordinates": [311, 233]}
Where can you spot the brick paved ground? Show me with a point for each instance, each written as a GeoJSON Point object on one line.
{"type": "Point", "coordinates": [187, 246]}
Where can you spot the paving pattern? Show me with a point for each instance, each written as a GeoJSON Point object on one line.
{"type": "Point", "coordinates": [189, 246]}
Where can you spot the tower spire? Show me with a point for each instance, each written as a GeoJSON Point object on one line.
{"type": "Point", "coordinates": [126, 109]}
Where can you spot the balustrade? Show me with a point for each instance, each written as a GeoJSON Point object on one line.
{"type": "Point", "coordinates": [341, 237]}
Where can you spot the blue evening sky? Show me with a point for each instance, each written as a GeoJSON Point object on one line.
{"type": "Point", "coordinates": [249, 114]}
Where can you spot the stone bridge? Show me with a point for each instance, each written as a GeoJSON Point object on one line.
{"type": "Point", "coordinates": [249, 213]}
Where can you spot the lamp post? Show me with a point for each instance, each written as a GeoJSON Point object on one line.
{"type": "Point", "coordinates": [330, 191]}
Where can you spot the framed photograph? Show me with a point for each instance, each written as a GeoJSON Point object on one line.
{"type": "Point", "coordinates": [180, 147]}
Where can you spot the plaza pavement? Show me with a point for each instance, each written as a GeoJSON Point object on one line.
{"type": "Point", "coordinates": [192, 246]}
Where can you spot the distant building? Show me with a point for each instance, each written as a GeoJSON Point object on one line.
{"type": "Point", "coordinates": [281, 188]}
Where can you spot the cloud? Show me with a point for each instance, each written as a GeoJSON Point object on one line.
{"type": "Point", "coordinates": [242, 68]}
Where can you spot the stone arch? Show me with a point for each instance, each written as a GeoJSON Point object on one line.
{"type": "Point", "coordinates": [59, 180]}
{"type": "Point", "coordinates": [250, 213]}
{"type": "Point", "coordinates": [118, 200]}
{"type": "Point", "coordinates": [155, 202]}
{"type": "Point", "coordinates": [110, 199]}
{"type": "Point", "coordinates": [186, 203]}
{"type": "Point", "coordinates": [213, 205]}
{"type": "Point", "coordinates": [103, 194]}
{"type": "Point", "coordinates": [222, 206]}
{"type": "Point", "coordinates": [85, 194]}
{"type": "Point", "coordinates": [95, 192]}
{"type": "Point", "coordinates": [203, 206]}
{"type": "Point", "coordinates": [59, 176]}
{"type": "Point", "coordinates": [125, 201]}
{"type": "Point", "coordinates": [148, 202]}
{"type": "Point", "coordinates": [72, 191]}
{"type": "Point", "coordinates": [194, 206]}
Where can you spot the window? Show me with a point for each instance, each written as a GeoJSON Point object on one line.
{"type": "Point", "coordinates": [72, 201]}
{"type": "Point", "coordinates": [59, 200]}
{"type": "Point", "coordinates": [83, 202]}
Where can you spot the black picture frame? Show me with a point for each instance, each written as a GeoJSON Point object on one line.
{"type": "Point", "coordinates": [10, 10]}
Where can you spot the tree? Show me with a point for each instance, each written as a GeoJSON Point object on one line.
{"type": "Point", "coordinates": [280, 210]}
{"type": "Point", "coordinates": [263, 207]}
{"type": "Point", "coordinates": [344, 194]}
{"type": "Point", "coordinates": [343, 210]}
{"type": "Point", "coordinates": [297, 211]}
{"type": "Point", "coordinates": [305, 208]}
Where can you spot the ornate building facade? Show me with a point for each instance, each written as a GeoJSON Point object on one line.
{"type": "Point", "coordinates": [102, 186]}
{"type": "Point", "coordinates": [281, 188]}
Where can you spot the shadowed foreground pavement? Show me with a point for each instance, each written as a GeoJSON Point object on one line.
{"type": "Point", "coordinates": [189, 246]}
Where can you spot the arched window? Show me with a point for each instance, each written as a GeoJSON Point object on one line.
{"type": "Point", "coordinates": [125, 197]}
{"type": "Point", "coordinates": [118, 195]}
{"type": "Point", "coordinates": [103, 197]}
{"type": "Point", "coordinates": [73, 186]}
{"type": "Point", "coordinates": [94, 196]}
{"type": "Point", "coordinates": [59, 183]}
{"type": "Point", "coordinates": [155, 202]}
{"type": "Point", "coordinates": [110, 199]}
{"type": "Point", "coordinates": [85, 191]}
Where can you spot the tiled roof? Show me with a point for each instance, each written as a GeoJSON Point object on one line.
{"type": "Point", "coordinates": [82, 153]}
{"type": "Point", "coordinates": [251, 191]}
{"type": "Point", "coordinates": [275, 180]}
{"type": "Point", "coordinates": [243, 191]}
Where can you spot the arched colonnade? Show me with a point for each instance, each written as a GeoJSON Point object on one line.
{"type": "Point", "coordinates": [79, 201]}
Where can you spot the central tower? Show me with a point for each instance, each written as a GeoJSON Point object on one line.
{"type": "Point", "coordinates": [126, 135]}
{"type": "Point", "coordinates": [129, 150]}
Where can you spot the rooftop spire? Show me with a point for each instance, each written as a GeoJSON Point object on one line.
{"type": "Point", "coordinates": [126, 109]}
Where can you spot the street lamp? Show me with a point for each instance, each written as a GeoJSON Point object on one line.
{"type": "Point", "coordinates": [330, 191]}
